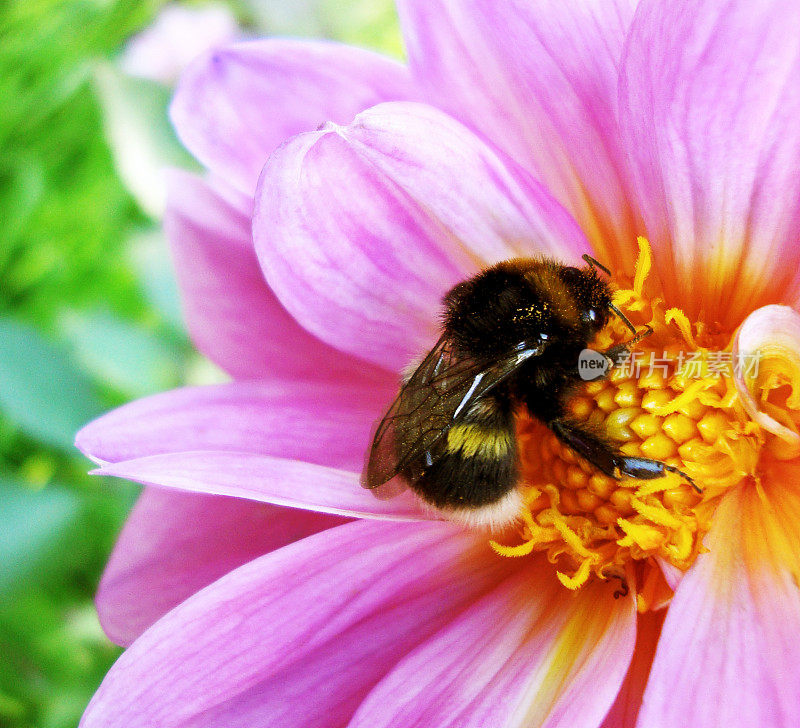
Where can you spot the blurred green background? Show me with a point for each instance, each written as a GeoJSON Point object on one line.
{"type": "Point", "coordinates": [89, 314]}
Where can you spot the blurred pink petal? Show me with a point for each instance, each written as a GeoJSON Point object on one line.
{"type": "Point", "coordinates": [540, 81]}
{"type": "Point", "coordinates": [709, 101]}
{"type": "Point", "coordinates": [177, 36]}
{"type": "Point", "coordinates": [231, 313]}
{"type": "Point", "coordinates": [729, 653]}
{"type": "Point", "coordinates": [361, 230]}
{"type": "Point", "coordinates": [175, 543]}
{"type": "Point", "coordinates": [528, 654]}
{"type": "Point", "coordinates": [266, 479]}
{"type": "Point", "coordinates": [624, 712]}
{"type": "Point", "coordinates": [234, 106]}
{"type": "Point", "coordinates": [322, 423]}
{"type": "Point", "coordinates": [299, 636]}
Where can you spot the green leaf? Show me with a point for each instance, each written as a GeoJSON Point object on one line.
{"type": "Point", "coordinates": [369, 23]}
{"type": "Point", "coordinates": [130, 358]}
{"type": "Point", "coordinates": [42, 390]}
{"type": "Point", "coordinates": [150, 258]}
{"type": "Point", "coordinates": [31, 521]}
{"type": "Point", "coordinates": [140, 134]}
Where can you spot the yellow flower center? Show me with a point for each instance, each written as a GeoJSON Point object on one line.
{"type": "Point", "coordinates": [674, 400]}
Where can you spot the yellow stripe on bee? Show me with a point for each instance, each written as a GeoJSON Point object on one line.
{"type": "Point", "coordinates": [474, 440]}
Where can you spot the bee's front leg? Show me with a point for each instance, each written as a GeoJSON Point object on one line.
{"type": "Point", "coordinates": [619, 352]}
{"type": "Point", "coordinates": [606, 458]}
{"type": "Point", "coordinates": [616, 355]}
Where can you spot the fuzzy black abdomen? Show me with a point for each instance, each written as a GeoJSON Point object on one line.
{"type": "Point", "coordinates": [475, 462]}
{"type": "Point", "coordinates": [458, 481]}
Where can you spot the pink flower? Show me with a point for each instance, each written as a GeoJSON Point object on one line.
{"type": "Point", "coordinates": [178, 35]}
{"type": "Point", "coordinates": [556, 127]}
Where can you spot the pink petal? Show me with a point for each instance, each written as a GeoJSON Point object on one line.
{"type": "Point", "coordinates": [299, 636]}
{"type": "Point", "coordinates": [175, 543]}
{"type": "Point", "coordinates": [177, 36]}
{"type": "Point", "coordinates": [729, 653]}
{"type": "Point", "coordinates": [323, 423]}
{"type": "Point", "coordinates": [768, 344]}
{"type": "Point", "coordinates": [626, 707]}
{"type": "Point", "coordinates": [234, 106]}
{"type": "Point", "coordinates": [528, 654]}
{"type": "Point", "coordinates": [361, 230]}
{"type": "Point", "coordinates": [709, 101]}
{"type": "Point", "coordinates": [538, 79]}
{"type": "Point", "coordinates": [231, 313]}
{"type": "Point", "coordinates": [268, 480]}
{"type": "Point", "coordinates": [672, 574]}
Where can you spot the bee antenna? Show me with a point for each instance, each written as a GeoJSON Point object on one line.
{"type": "Point", "coordinates": [595, 264]}
{"type": "Point", "coordinates": [623, 317]}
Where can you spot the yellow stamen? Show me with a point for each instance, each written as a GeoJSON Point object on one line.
{"type": "Point", "coordinates": [580, 577]}
{"type": "Point", "coordinates": [679, 317]}
{"type": "Point", "coordinates": [643, 265]}
{"type": "Point", "coordinates": [681, 407]}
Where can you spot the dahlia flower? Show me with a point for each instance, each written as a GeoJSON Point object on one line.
{"type": "Point", "coordinates": [660, 137]}
{"type": "Point", "coordinates": [178, 34]}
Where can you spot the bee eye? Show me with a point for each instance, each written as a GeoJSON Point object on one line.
{"type": "Point", "coordinates": [594, 316]}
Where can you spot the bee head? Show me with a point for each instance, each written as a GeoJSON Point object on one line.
{"type": "Point", "coordinates": [592, 297]}
{"type": "Point", "coordinates": [496, 311]}
{"type": "Point", "coordinates": [526, 302]}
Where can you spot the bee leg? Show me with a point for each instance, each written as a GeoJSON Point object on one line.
{"type": "Point", "coordinates": [619, 352]}
{"type": "Point", "coordinates": [606, 458]}
{"type": "Point", "coordinates": [646, 469]}
{"type": "Point", "coordinates": [588, 445]}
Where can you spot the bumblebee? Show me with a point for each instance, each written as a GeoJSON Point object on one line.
{"type": "Point", "coordinates": [512, 337]}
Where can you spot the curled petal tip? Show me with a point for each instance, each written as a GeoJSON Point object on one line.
{"type": "Point", "coordinates": [766, 352]}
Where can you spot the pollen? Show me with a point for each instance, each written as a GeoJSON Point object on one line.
{"type": "Point", "coordinates": [674, 400]}
{"type": "Point", "coordinates": [475, 441]}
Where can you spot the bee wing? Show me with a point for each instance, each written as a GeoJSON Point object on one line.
{"type": "Point", "coordinates": [438, 393]}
